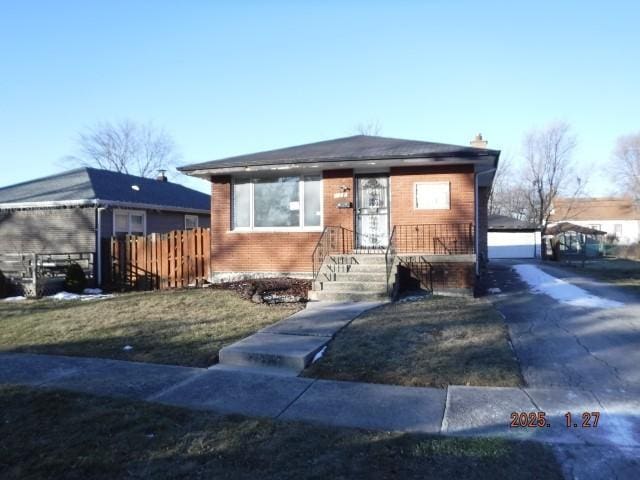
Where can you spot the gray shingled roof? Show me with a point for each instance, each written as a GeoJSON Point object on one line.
{"type": "Point", "coordinates": [503, 222]}
{"type": "Point", "coordinates": [358, 147]}
{"type": "Point", "coordinates": [95, 184]}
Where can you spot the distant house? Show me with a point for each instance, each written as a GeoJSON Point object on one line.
{"type": "Point", "coordinates": [73, 211]}
{"type": "Point", "coordinates": [348, 211]}
{"type": "Point", "coordinates": [619, 217]}
{"type": "Point", "coordinates": [512, 238]}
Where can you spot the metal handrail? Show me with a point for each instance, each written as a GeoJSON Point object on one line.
{"type": "Point", "coordinates": [428, 239]}
{"type": "Point", "coordinates": [340, 240]}
{"type": "Point", "coordinates": [390, 256]}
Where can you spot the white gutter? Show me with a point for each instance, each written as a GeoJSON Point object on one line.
{"type": "Point", "coordinates": [476, 195]}
{"type": "Point", "coordinates": [100, 203]}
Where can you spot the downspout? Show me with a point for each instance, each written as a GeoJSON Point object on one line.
{"type": "Point", "coordinates": [99, 243]}
{"type": "Point", "coordinates": [477, 209]}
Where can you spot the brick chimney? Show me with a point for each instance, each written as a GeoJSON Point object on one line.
{"type": "Point", "coordinates": [161, 176]}
{"type": "Point", "coordinates": [478, 142]}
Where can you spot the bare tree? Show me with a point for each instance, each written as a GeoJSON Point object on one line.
{"type": "Point", "coordinates": [626, 156]}
{"type": "Point", "coordinates": [500, 188]}
{"type": "Point", "coordinates": [371, 128]}
{"type": "Point", "coordinates": [125, 146]}
{"type": "Point", "coordinates": [548, 170]}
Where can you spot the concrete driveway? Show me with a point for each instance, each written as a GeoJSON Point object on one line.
{"type": "Point", "coordinates": [559, 344]}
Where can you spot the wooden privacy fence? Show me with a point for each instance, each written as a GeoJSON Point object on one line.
{"type": "Point", "coordinates": [180, 258]}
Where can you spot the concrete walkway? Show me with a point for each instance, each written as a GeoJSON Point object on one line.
{"type": "Point", "coordinates": [457, 410]}
{"type": "Point", "coordinates": [291, 344]}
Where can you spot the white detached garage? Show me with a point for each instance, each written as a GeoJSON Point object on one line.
{"type": "Point", "coordinates": [511, 238]}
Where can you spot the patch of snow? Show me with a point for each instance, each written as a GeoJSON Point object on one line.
{"type": "Point", "coordinates": [92, 291]}
{"type": "Point", "coordinates": [65, 296]}
{"type": "Point", "coordinates": [14, 299]}
{"type": "Point", "coordinates": [494, 290]}
{"type": "Point", "coordinates": [319, 355]}
{"type": "Point", "coordinates": [565, 292]}
{"type": "Point", "coordinates": [127, 348]}
{"type": "Point", "coordinates": [75, 296]}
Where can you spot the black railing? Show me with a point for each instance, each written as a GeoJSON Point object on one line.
{"type": "Point", "coordinates": [421, 269]}
{"type": "Point", "coordinates": [428, 239]}
{"type": "Point", "coordinates": [336, 240]}
{"type": "Point", "coordinates": [434, 239]}
{"type": "Point", "coordinates": [390, 256]}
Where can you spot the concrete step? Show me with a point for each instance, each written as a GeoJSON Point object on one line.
{"type": "Point", "coordinates": [356, 276]}
{"type": "Point", "coordinates": [347, 296]}
{"type": "Point", "coordinates": [355, 268]}
{"type": "Point", "coordinates": [272, 371]}
{"type": "Point", "coordinates": [289, 352]}
{"type": "Point", "coordinates": [349, 286]}
{"type": "Point", "coordinates": [356, 259]}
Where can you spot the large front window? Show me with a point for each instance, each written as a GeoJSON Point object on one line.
{"type": "Point", "coordinates": [273, 203]}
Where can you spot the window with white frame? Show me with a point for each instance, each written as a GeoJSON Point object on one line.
{"type": "Point", "coordinates": [129, 222]}
{"type": "Point", "coordinates": [190, 222]}
{"type": "Point", "coordinates": [291, 202]}
{"type": "Point", "coordinates": [432, 196]}
{"type": "Point", "coordinates": [617, 229]}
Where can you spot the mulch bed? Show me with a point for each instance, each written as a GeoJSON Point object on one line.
{"type": "Point", "coordinates": [269, 288]}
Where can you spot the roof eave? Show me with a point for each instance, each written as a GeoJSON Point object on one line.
{"type": "Point", "coordinates": [489, 157]}
{"type": "Point", "coordinates": [98, 203]}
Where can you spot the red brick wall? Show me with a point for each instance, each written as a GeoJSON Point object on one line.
{"type": "Point", "coordinates": [403, 211]}
{"type": "Point", "coordinates": [453, 275]}
{"type": "Point", "coordinates": [483, 223]}
{"type": "Point", "coordinates": [272, 251]}
{"type": "Point", "coordinates": [291, 251]}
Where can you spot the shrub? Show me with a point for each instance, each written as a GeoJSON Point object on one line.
{"type": "Point", "coordinates": [5, 287]}
{"type": "Point", "coordinates": [75, 280]}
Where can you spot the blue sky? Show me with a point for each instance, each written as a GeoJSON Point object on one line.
{"type": "Point", "coordinates": [228, 78]}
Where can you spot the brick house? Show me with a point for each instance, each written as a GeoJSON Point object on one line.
{"type": "Point", "coordinates": [362, 215]}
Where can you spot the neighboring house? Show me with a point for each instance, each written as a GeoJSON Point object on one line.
{"type": "Point", "coordinates": [70, 212]}
{"type": "Point", "coordinates": [324, 209]}
{"type": "Point", "coordinates": [512, 238]}
{"type": "Point", "coordinates": [619, 217]}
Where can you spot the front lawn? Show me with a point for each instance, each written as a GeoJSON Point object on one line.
{"type": "Point", "coordinates": [48, 434]}
{"type": "Point", "coordinates": [434, 342]}
{"type": "Point", "coordinates": [180, 327]}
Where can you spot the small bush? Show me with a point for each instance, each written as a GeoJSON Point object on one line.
{"type": "Point", "coordinates": [5, 287]}
{"type": "Point", "coordinates": [631, 252]}
{"type": "Point", "coordinates": [75, 280]}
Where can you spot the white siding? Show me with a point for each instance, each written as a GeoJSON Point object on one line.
{"type": "Point", "coordinates": [514, 244]}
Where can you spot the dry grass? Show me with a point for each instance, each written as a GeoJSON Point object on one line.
{"type": "Point", "coordinates": [182, 327]}
{"type": "Point", "coordinates": [434, 342]}
{"type": "Point", "coordinates": [618, 271]}
{"type": "Point", "coordinates": [45, 434]}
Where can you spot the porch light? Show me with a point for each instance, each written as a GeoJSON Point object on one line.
{"type": "Point", "coordinates": [135, 188]}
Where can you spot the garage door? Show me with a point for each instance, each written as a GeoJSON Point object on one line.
{"type": "Point", "coordinates": [513, 244]}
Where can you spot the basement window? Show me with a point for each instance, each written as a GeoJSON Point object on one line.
{"type": "Point", "coordinates": [277, 203]}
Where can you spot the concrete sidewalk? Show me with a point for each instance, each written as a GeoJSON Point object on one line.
{"type": "Point", "coordinates": [457, 410]}
{"type": "Point", "coordinates": [291, 344]}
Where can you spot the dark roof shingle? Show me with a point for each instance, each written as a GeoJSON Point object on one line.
{"type": "Point", "coordinates": [506, 223]}
{"type": "Point", "coordinates": [105, 185]}
{"type": "Point", "coordinates": [358, 147]}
